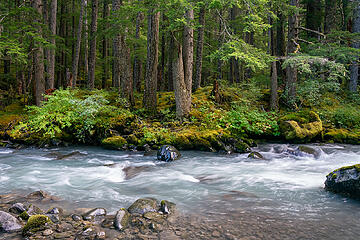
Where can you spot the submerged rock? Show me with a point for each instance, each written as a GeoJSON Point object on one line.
{"type": "Point", "coordinates": [309, 150]}
{"type": "Point", "coordinates": [255, 155]}
{"type": "Point", "coordinates": [133, 171]}
{"type": "Point", "coordinates": [345, 181]}
{"type": "Point", "coordinates": [168, 153]}
{"type": "Point", "coordinates": [8, 223]}
{"type": "Point", "coordinates": [60, 156]}
{"type": "Point", "coordinates": [121, 220]}
{"type": "Point", "coordinates": [143, 205]}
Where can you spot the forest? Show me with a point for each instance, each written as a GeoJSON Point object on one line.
{"type": "Point", "coordinates": [208, 75]}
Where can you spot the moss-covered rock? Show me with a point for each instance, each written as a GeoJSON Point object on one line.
{"type": "Point", "coordinates": [342, 136]}
{"type": "Point", "coordinates": [116, 142]}
{"type": "Point", "coordinates": [345, 181]}
{"type": "Point", "coordinates": [143, 205]}
{"type": "Point", "coordinates": [36, 223]}
{"type": "Point", "coordinates": [297, 132]}
{"type": "Point", "coordinates": [122, 219]}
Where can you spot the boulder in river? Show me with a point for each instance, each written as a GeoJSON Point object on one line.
{"type": "Point", "coordinates": [255, 155]}
{"type": "Point", "coordinates": [121, 219]}
{"type": "Point", "coordinates": [345, 181]}
{"type": "Point", "coordinates": [143, 205]}
{"type": "Point", "coordinates": [168, 153]}
{"type": "Point", "coordinates": [8, 223]}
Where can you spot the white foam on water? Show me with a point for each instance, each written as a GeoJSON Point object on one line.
{"type": "Point", "coordinates": [6, 151]}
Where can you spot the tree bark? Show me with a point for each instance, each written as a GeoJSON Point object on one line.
{"type": "Point", "coordinates": [39, 88]}
{"type": "Point", "coordinates": [199, 49]}
{"type": "Point", "coordinates": [150, 95]}
{"type": "Point", "coordinates": [86, 44]}
{"type": "Point", "coordinates": [180, 85]}
{"type": "Point", "coordinates": [137, 62]}
{"type": "Point", "coordinates": [291, 72]}
{"type": "Point", "coordinates": [76, 55]}
{"type": "Point", "coordinates": [354, 68]}
{"type": "Point", "coordinates": [51, 60]}
{"type": "Point", "coordinates": [274, 88]}
{"type": "Point", "coordinates": [116, 49]}
{"type": "Point", "coordinates": [280, 45]}
{"type": "Point", "coordinates": [330, 15]}
{"type": "Point", "coordinates": [170, 73]}
{"type": "Point", "coordinates": [105, 47]}
{"type": "Point", "coordinates": [92, 55]}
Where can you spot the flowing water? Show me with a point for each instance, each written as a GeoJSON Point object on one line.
{"type": "Point", "coordinates": [282, 188]}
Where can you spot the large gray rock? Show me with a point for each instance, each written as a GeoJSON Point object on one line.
{"type": "Point", "coordinates": [168, 153]}
{"type": "Point", "coordinates": [143, 205]}
{"type": "Point", "coordinates": [17, 208]}
{"type": "Point", "coordinates": [345, 181]}
{"type": "Point", "coordinates": [8, 223]}
{"type": "Point", "coordinates": [121, 220]}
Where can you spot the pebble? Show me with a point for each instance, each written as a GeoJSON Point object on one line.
{"type": "Point", "coordinates": [47, 232]}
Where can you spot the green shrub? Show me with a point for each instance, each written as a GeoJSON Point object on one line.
{"type": "Point", "coordinates": [347, 117]}
{"type": "Point", "coordinates": [67, 112]}
{"type": "Point", "coordinates": [253, 122]}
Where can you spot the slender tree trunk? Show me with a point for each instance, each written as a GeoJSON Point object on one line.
{"type": "Point", "coordinates": [330, 16]}
{"type": "Point", "coordinates": [76, 55]}
{"type": "Point", "coordinates": [220, 42]}
{"type": "Point", "coordinates": [92, 55]}
{"type": "Point", "coordinates": [86, 44]}
{"type": "Point", "coordinates": [170, 73]}
{"type": "Point", "coordinates": [51, 60]}
{"type": "Point", "coordinates": [126, 72]}
{"type": "Point", "coordinates": [161, 74]}
{"type": "Point", "coordinates": [291, 72]}
{"type": "Point", "coordinates": [39, 87]}
{"type": "Point", "coordinates": [137, 62]}
{"type": "Point", "coordinates": [280, 45]}
{"type": "Point", "coordinates": [199, 49]}
{"type": "Point", "coordinates": [116, 49]}
{"type": "Point", "coordinates": [45, 17]}
{"type": "Point", "coordinates": [354, 68]}
{"type": "Point", "coordinates": [105, 46]}
{"type": "Point", "coordinates": [179, 84]}
{"type": "Point", "coordinates": [150, 95]}
{"type": "Point", "coordinates": [274, 88]}
{"type": "Point", "coordinates": [183, 82]}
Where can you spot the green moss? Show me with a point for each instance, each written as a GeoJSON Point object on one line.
{"type": "Point", "coordinates": [24, 215]}
{"type": "Point", "coordinates": [36, 223]}
{"type": "Point", "coordinates": [116, 142]}
{"type": "Point", "coordinates": [343, 136]}
{"type": "Point", "coordinates": [298, 132]}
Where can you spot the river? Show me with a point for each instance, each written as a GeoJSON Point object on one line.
{"type": "Point", "coordinates": [280, 197]}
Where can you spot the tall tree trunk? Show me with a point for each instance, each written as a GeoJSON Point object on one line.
{"type": "Point", "coordinates": [183, 85]}
{"type": "Point", "coordinates": [137, 62]}
{"type": "Point", "coordinates": [126, 80]}
{"type": "Point", "coordinates": [92, 55]}
{"type": "Point", "coordinates": [39, 87]}
{"type": "Point", "coordinates": [86, 44]}
{"type": "Point", "coordinates": [45, 17]}
{"type": "Point", "coordinates": [51, 60]}
{"type": "Point", "coordinates": [291, 72]}
{"type": "Point", "coordinates": [116, 49]}
{"type": "Point", "coordinates": [280, 45]}
{"type": "Point", "coordinates": [330, 16]}
{"type": "Point", "coordinates": [199, 49]}
{"type": "Point", "coordinates": [354, 68]}
{"type": "Point", "coordinates": [274, 88]}
{"type": "Point", "coordinates": [105, 47]}
{"type": "Point", "coordinates": [76, 55]}
{"type": "Point", "coordinates": [150, 95]}
{"type": "Point", "coordinates": [179, 84]}
{"type": "Point", "coordinates": [161, 73]}
{"type": "Point", "coordinates": [170, 73]}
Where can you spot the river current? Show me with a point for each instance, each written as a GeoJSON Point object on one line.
{"type": "Point", "coordinates": [282, 187]}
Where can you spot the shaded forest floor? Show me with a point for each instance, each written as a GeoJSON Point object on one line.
{"type": "Point", "coordinates": [232, 120]}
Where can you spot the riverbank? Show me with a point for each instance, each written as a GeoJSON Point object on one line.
{"type": "Point", "coordinates": [233, 125]}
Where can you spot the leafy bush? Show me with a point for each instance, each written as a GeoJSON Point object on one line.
{"type": "Point", "coordinates": [66, 112]}
{"type": "Point", "coordinates": [253, 122]}
{"type": "Point", "coordinates": [346, 117]}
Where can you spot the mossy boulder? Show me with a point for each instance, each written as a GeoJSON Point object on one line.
{"type": "Point", "coordinates": [143, 205]}
{"type": "Point", "coordinates": [255, 155]}
{"type": "Point", "coordinates": [115, 143]}
{"type": "Point", "coordinates": [294, 131]}
{"type": "Point", "coordinates": [36, 223]}
{"type": "Point", "coordinates": [345, 181]}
